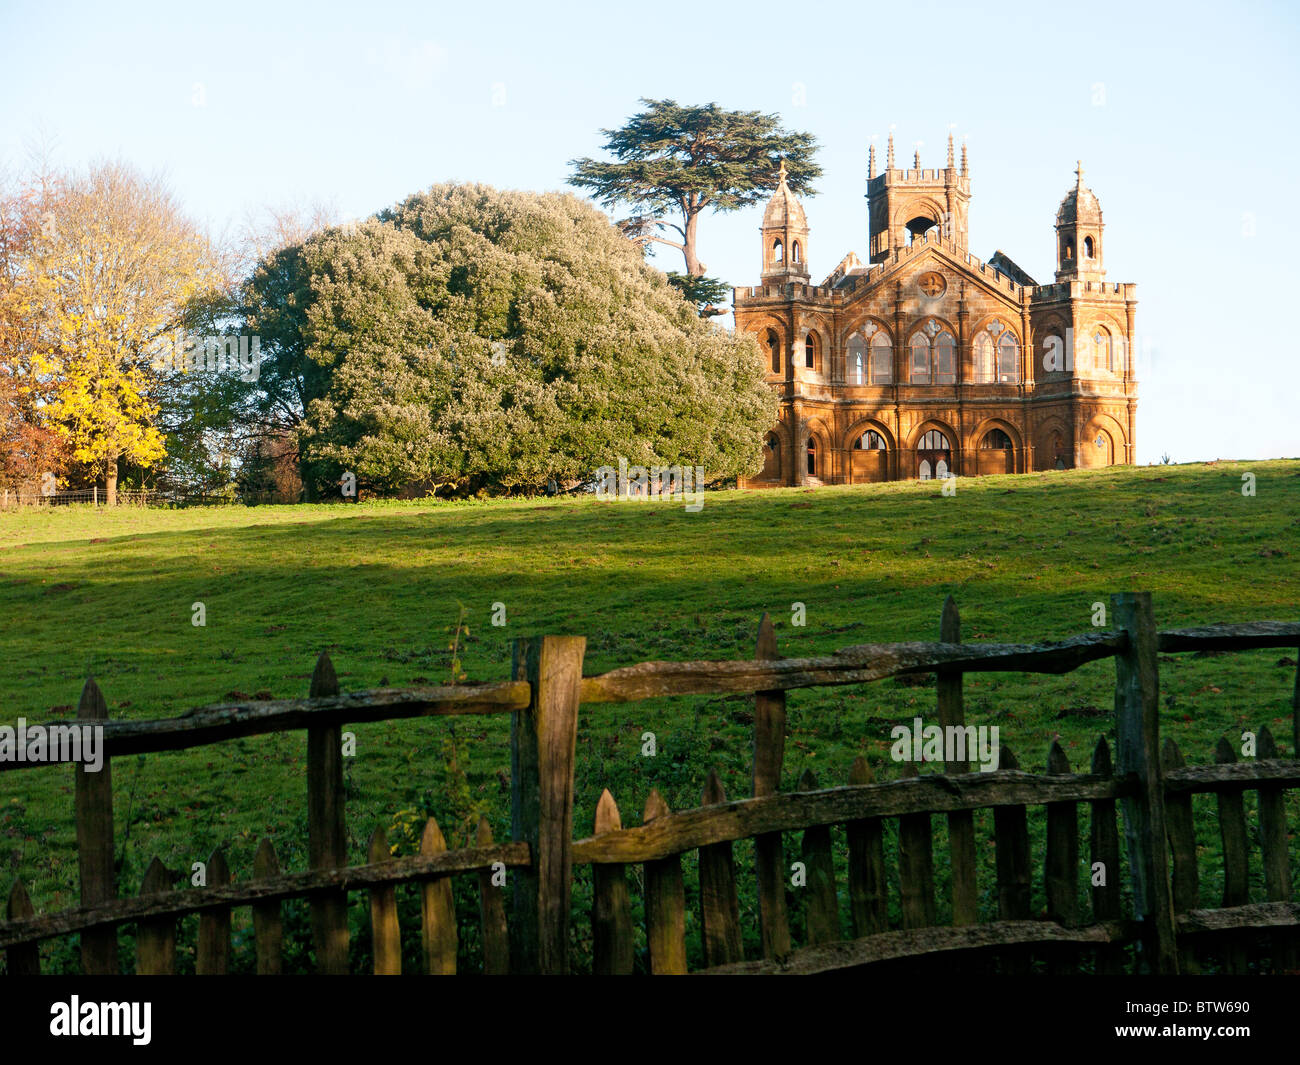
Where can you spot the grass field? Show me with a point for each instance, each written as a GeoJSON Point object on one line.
{"type": "Point", "coordinates": [380, 585]}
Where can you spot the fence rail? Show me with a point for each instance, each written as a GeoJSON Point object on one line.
{"type": "Point", "coordinates": [1147, 788]}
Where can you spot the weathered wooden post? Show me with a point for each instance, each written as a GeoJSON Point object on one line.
{"type": "Point", "coordinates": [327, 836]}
{"type": "Point", "coordinates": [961, 823]}
{"type": "Point", "coordinates": [94, 806]}
{"type": "Point", "coordinates": [1295, 710]}
{"type": "Point", "coordinates": [1137, 733]}
{"type": "Point", "coordinates": [25, 958]}
{"type": "Point", "coordinates": [611, 910]}
{"type": "Point", "coordinates": [769, 852]}
{"type": "Point", "coordinates": [542, 746]}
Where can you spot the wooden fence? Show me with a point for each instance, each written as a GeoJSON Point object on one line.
{"type": "Point", "coordinates": [1151, 787]}
{"type": "Point", "coordinates": [34, 496]}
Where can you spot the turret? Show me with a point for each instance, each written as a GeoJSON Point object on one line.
{"type": "Point", "coordinates": [785, 236]}
{"type": "Point", "coordinates": [1078, 234]}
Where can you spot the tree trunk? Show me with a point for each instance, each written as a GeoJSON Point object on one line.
{"type": "Point", "coordinates": [110, 481]}
{"type": "Point", "coordinates": [693, 267]}
{"type": "Point", "coordinates": [309, 492]}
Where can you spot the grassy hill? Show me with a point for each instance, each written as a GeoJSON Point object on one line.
{"type": "Point", "coordinates": [380, 586]}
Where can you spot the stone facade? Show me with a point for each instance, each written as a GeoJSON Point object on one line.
{"type": "Point", "coordinates": [926, 360]}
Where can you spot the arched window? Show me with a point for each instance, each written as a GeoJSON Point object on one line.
{"type": "Point", "coordinates": [1087, 247]}
{"type": "Point", "coordinates": [778, 252]}
{"type": "Point", "coordinates": [810, 352]}
{"type": "Point", "coordinates": [933, 361]}
{"type": "Point", "coordinates": [945, 359]}
{"type": "Point", "coordinates": [869, 441]}
{"type": "Point", "coordinates": [925, 469]}
{"type": "Point", "coordinates": [812, 457]}
{"type": "Point", "coordinates": [920, 361]}
{"type": "Point", "coordinates": [1069, 250]}
{"type": "Point", "coordinates": [882, 360]}
{"type": "Point", "coordinates": [794, 251]}
{"type": "Point", "coordinates": [933, 440]}
{"type": "Point", "coordinates": [857, 360]}
{"type": "Point", "coordinates": [771, 443]}
{"type": "Point", "coordinates": [1102, 356]}
{"type": "Point", "coordinates": [1008, 359]}
{"type": "Point", "coordinates": [996, 439]}
{"type": "Point", "coordinates": [984, 357]}
{"type": "Point", "coordinates": [774, 346]}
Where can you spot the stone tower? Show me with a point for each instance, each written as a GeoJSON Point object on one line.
{"type": "Point", "coordinates": [903, 204]}
{"type": "Point", "coordinates": [785, 237]}
{"type": "Point", "coordinates": [1078, 234]}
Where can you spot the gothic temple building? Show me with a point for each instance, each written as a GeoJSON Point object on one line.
{"type": "Point", "coordinates": [925, 360]}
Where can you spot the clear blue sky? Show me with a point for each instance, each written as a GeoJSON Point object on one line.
{"type": "Point", "coordinates": [1181, 113]}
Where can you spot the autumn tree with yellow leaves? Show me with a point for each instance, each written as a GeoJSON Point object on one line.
{"type": "Point", "coordinates": [110, 271]}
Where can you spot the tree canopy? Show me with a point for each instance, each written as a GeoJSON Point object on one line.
{"type": "Point", "coordinates": [98, 266]}
{"type": "Point", "coordinates": [472, 336]}
{"type": "Point", "coordinates": [673, 159]}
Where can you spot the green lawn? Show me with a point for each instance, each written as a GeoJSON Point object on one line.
{"type": "Point", "coordinates": [378, 586]}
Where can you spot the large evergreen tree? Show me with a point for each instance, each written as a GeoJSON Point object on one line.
{"type": "Point", "coordinates": [671, 160]}
{"type": "Point", "coordinates": [471, 336]}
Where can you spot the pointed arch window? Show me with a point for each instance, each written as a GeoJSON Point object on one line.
{"type": "Point", "coordinates": [778, 252]}
{"type": "Point", "coordinates": [774, 348]}
{"type": "Point", "coordinates": [945, 359]}
{"type": "Point", "coordinates": [996, 439]}
{"type": "Point", "coordinates": [920, 360]}
{"type": "Point", "coordinates": [810, 359]}
{"type": "Point", "coordinates": [933, 356]}
{"type": "Point", "coordinates": [795, 252]}
{"type": "Point", "coordinates": [985, 356]}
{"type": "Point", "coordinates": [1087, 247]}
{"type": "Point", "coordinates": [1008, 359]}
{"type": "Point", "coordinates": [882, 359]}
{"type": "Point", "coordinates": [996, 354]}
{"type": "Point", "coordinates": [870, 441]}
{"type": "Point", "coordinates": [857, 360]}
{"type": "Point", "coordinates": [1102, 351]}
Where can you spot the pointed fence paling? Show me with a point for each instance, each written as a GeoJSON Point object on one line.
{"type": "Point", "coordinates": [719, 904]}
{"type": "Point", "coordinates": [526, 929]}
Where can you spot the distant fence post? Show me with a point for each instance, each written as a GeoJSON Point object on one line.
{"type": "Point", "coordinates": [1137, 732]}
{"type": "Point", "coordinates": [543, 739]}
{"type": "Point", "coordinates": [94, 806]}
{"type": "Point", "coordinates": [326, 833]}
